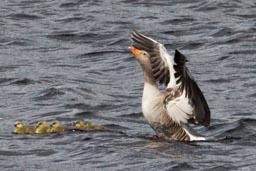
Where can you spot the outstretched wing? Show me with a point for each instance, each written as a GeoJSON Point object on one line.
{"type": "Point", "coordinates": [160, 59]}
{"type": "Point", "coordinates": [191, 91]}
{"type": "Point", "coordinates": [172, 71]}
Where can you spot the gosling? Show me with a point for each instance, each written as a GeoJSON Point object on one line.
{"type": "Point", "coordinates": [42, 127]}
{"type": "Point", "coordinates": [56, 127]}
{"type": "Point", "coordinates": [20, 128]}
{"type": "Point", "coordinates": [80, 125]}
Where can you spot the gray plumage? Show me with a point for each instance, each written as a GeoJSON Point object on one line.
{"type": "Point", "coordinates": [169, 112]}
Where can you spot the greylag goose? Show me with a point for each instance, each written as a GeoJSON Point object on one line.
{"type": "Point", "coordinates": [20, 128]}
{"type": "Point", "coordinates": [56, 127]}
{"type": "Point", "coordinates": [80, 125]}
{"type": "Point", "coordinates": [42, 127]}
{"type": "Point", "coordinates": [171, 111]}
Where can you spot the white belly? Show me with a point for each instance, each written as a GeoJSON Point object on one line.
{"type": "Point", "coordinates": [151, 103]}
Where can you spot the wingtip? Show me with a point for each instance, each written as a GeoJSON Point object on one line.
{"type": "Point", "coordinates": [134, 31]}
{"type": "Point", "coordinates": [207, 120]}
{"type": "Point", "coordinates": [133, 34]}
{"type": "Point", "coordinates": [178, 54]}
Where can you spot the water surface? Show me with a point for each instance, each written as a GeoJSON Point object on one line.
{"type": "Point", "coordinates": [69, 60]}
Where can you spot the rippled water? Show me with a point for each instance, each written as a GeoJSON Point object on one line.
{"type": "Point", "coordinates": [69, 60]}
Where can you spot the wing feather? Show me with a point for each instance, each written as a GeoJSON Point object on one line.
{"type": "Point", "coordinates": [157, 57]}
{"type": "Point", "coordinates": [179, 109]}
{"type": "Point", "coordinates": [189, 86]}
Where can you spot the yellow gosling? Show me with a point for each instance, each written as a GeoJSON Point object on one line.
{"type": "Point", "coordinates": [20, 128]}
{"type": "Point", "coordinates": [79, 124]}
{"type": "Point", "coordinates": [90, 125]}
{"type": "Point", "coordinates": [56, 127]}
{"type": "Point", "coordinates": [93, 126]}
{"type": "Point", "coordinates": [42, 127]}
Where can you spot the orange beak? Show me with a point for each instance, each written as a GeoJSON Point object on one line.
{"type": "Point", "coordinates": [135, 51]}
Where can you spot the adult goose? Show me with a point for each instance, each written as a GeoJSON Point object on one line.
{"type": "Point", "coordinates": [171, 111]}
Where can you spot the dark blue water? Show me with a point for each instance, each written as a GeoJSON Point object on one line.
{"type": "Point", "coordinates": [69, 60]}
